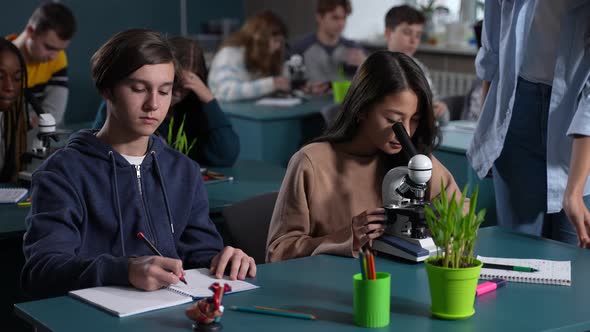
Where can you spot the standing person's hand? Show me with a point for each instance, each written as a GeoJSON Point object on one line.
{"type": "Point", "coordinates": [355, 56]}
{"type": "Point", "coordinates": [576, 210]}
{"type": "Point", "coordinates": [281, 83]}
{"type": "Point", "coordinates": [573, 197]}
{"type": "Point", "coordinates": [367, 226]}
{"type": "Point", "coordinates": [193, 82]}
{"type": "Point", "coordinates": [154, 272]}
{"type": "Point", "coordinates": [241, 264]}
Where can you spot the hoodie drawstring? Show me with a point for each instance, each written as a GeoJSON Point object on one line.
{"type": "Point", "coordinates": [117, 202]}
{"type": "Point", "coordinates": [163, 191]}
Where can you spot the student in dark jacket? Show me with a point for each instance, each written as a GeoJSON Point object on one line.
{"type": "Point", "coordinates": [92, 198]}
{"type": "Point", "coordinates": [216, 142]}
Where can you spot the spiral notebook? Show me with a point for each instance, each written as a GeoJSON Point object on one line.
{"type": "Point", "coordinates": [12, 195]}
{"type": "Point", "coordinates": [550, 272]}
{"type": "Point", "coordinates": [127, 301]}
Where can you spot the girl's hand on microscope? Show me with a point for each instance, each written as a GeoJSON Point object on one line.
{"type": "Point", "coordinates": [367, 226]}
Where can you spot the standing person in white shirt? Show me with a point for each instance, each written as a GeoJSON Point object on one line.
{"type": "Point", "coordinates": [535, 124]}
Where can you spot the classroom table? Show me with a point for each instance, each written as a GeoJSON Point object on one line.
{"type": "Point", "coordinates": [274, 133]}
{"type": "Point", "coordinates": [250, 178]}
{"type": "Point", "coordinates": [322, 285]}
{"type": "Point", "coordinates": [455, 140]}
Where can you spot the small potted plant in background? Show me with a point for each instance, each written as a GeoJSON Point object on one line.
{"type": "Point", "coordinates": [179, 141]}
{"type": "Point", "coordinates": [453, 273]}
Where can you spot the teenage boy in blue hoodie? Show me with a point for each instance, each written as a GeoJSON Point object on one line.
{"type": "Point", "coordinates": [92, 198]}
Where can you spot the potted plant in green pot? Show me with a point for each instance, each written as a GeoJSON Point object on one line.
{"type": "Point", "coordinates": [453, 273]}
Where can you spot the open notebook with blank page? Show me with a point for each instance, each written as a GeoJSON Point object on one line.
{"type": "Point", "coordinates": [549, 272]}
{"type": "Point", "coordinates": [127, 301]}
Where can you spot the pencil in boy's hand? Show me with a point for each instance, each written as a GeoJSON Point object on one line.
{"type": "Point", "coordinates": [155, 251]}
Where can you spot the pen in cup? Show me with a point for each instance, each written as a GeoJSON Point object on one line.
{"type": "Point", "coordinates": [155, 251]}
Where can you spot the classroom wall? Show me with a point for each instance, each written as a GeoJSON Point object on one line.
{"type": "Point", "coordinates": [299, 16]}
{"type": "Point", "coordinates": [98, 20]}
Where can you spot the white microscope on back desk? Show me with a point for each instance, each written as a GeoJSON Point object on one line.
{"type": "Point", "coordinates": [403, 192]}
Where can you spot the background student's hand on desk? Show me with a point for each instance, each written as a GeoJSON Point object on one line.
{"type": "Point", "coordinates": [355, 56]}
{"type": "Point", "coordinates": [241, 264]}
{"type": "Point", "coordinates": [154, 272]}
{"type": "Point", "coordinates": [439, 108]}
{"type": "Point", "coordinates": [316, 88]}
{"type": "Point", "coordinates": [281, 83]}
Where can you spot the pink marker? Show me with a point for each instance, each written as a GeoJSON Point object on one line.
{"type": "Point", "coordinates": [489, 286]}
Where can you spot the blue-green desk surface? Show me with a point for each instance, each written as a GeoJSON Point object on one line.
{"type": "Point", "coordinates": [12, 220]}
{"type": "Point", "coordinates": [251, 178]}
{"type": "Point", "coordinates": [271, 133]}
{"type": "Point", "coordinates": [323, 285]}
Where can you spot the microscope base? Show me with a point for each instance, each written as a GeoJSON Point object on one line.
{"type": "Point", "coordinates": [416, 250]}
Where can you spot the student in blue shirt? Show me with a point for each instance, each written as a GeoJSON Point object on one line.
{"type": "Point", "coordinates": [535, 123]}
{"type": "Point", "coordinates": [91, 198]}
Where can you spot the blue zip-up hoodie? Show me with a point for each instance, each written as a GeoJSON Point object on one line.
{"type": "Point", "coordinates": [89, 203]}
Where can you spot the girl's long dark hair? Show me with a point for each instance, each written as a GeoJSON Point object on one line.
{"type": "Point", "coordinates": [14, 123]}
{"type": "Point", "coordinates": [384, 73]}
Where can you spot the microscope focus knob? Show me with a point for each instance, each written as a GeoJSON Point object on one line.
{"type": "Point", "coordinates": [420, 169]}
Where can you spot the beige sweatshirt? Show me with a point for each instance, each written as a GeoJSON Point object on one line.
{"type": "Point", "coordinates": [321, 193]}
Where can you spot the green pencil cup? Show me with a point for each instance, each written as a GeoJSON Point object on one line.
{"type": "Point", "coordinates": [340, 88]}
{"type": "Point", "coordinates": [371, 300]}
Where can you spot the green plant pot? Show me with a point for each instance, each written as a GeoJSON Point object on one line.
{"type": "Point", "coordinates": [452, 291]}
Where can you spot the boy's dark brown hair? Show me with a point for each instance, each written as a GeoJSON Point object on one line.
{"type": "Point", "coordinates": [125, 53]}
{"type": "Point", "coordinates": [325, 6]}
{"type": "Point", "coordinates": [400, 14]}
{"type": "Point", "coordinates": [54, 16]}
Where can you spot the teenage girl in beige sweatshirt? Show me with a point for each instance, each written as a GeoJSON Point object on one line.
{"type": "Point", "coordinates": [330, 200]}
